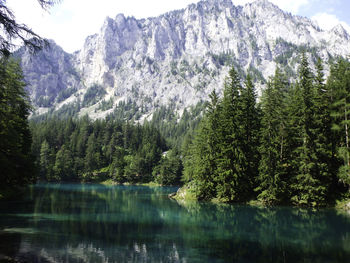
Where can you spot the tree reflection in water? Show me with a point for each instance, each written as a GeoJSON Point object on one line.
{"type": "Point", "coordinates": [93, 223]}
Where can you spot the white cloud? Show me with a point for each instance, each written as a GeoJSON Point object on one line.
{"type": "Point", "coordinates": [328, 21]}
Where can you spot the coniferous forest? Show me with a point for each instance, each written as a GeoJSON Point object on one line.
{"type": "Point", "coordinates": [93, 151]}
{"type": "Point", "coordinates": [290, 146]}
{"type": "Point", "coordinates": [16, 161]}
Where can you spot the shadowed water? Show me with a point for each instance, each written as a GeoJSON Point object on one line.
{"type": "Point", "coordinates": [94, 223]}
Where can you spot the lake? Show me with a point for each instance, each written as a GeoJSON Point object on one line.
{"type": "Point", "coordinates": [96, 223]}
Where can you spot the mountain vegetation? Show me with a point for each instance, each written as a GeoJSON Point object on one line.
{"type": "Point", "coordinates": [16, 162]}
{"type": "Point", "coordinates": [290, 148]}
{"type": "Point", "coordinates": [175, 59]}
{"type": "Point", "coordinates": [83, 150]}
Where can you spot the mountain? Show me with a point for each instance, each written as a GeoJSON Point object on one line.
{"type": "Point", "coordinates": [174, 59]}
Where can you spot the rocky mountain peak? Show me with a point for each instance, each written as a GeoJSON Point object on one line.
{"type": "Point", "coordinates": [340, 31]}
{"type": "Point", "coordinates": [179, 57]}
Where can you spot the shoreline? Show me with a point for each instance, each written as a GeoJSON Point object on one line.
{"type": "Point", "coordinates": [184, 195]}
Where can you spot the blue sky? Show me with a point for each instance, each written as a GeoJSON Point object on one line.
{"type": "Point", "coordinates": [71, 21]}
{"type": "Point", "coordinates": [328, 10]}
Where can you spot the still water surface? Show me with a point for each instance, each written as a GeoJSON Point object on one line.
{"type": "Point", "coordinates": [94, 223]}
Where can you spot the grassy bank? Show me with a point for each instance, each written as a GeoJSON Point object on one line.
{"type": "Point", "coordinates": [110, 182]}
{"type": "Point", "coordinates": [343, 205]}
{"type": "Point", "coordinates": [187, 194]}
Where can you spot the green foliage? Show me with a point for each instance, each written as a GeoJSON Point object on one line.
{"type": "Point", "coordinates": [223, 157]}
{"type": "Point", "coordinates": [223, 59]}
{"type": "Point", "coordinates": [82, 150]}
{"type": "Point", "coordinates": [272, 179]}
{"type": "Point", "coordinates": [125, 110]}
{"type": "Point", "coordinates": [339, 85]}
{"type": "Point", "coordinates": [200, 164]}
{"type": "Point", "coordinates": [92, 95]}
{"type": "Point", "coordinates": [65, 93]}
{"type": "Point", "coordinates": [16, 163]}
{"type": "Point", "coordinates": [106, 105]}
{"type": "Point", "coordinates": [174, 128]}
{"type": "Point", "coordinates": [283, 150]}
{"type": "Point", "coordinates": [306, 186]}
{"type": "Point", "coordinates": [238, 127]}
{"type": "Point", "coordinates": [169, 170]}
{"type": "Point", "coordinates": [291, 148]}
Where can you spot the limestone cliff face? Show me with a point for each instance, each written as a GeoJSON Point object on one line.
{"type": "Point", "coordinates": [50, 75]}
{"type": "Point", "coordinates": [178, 57]}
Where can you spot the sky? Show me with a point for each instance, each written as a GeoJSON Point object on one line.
{"type": "Point", "coordinates": [71, 21]}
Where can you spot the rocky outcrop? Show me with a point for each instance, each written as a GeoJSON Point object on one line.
{"type": "Point", "coordinates": [179, 57]}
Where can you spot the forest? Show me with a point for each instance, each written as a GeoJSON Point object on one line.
{"type": "Point", "coordinates": [93, 151]}
{"type": "Point", "coordinates": [289, 146]}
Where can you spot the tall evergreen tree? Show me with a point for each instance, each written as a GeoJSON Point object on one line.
{"type": "Point", "coordinates": [339, 82]}
{"type": "Point", "coordinates": [307, 185]}
{"type": "Point", "coordinates": [272, 179]}
{"type": "Point", "coordinates": [202, 164]}
{"type": "Point", "coordinates": [250, 121]}
{"type": "Point", "coordinates": [16, 163]}
{"type": "Point", "coordinates": [45, 161]}
{"type": "Point", "coordinates": [325, 150]}
{"type": "Point", "coordinates": [231, 181]}
{"type": "Point", "coordinates": [63, 168]}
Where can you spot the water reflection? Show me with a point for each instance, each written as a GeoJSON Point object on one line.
{"type": "Point", "coordinates": [92, 223]}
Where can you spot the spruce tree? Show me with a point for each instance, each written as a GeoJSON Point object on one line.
{"type": "Point", "coordinates": [272, 179]}
{"type": "Point", "coordinates": [250, 121]}
{"type": "Point", "coordinates": [45, 161]}
{"type": "Point", "coordinates": [324, 138]}
{"type": "Point", "coordinates": [307, 186]}
{"type": "Point", "coordinates": [339, 83]}
{"type": "Point", "coordinates": [16, 162]}
{"type": "Point", "coordinates": [202, 164]}
{"type": "Point", "coordinates": [231, 160]}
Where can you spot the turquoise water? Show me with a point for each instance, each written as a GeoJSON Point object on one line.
{"type": "Point", "coordinates": [94, 223]}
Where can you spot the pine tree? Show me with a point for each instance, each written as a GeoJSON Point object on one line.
{"type": "Point", "coordinates": [201, 166]}
{"type": "Point", "coordinates": [45, 160]}
{"type": "Point", "coordinates": [324, 138]}
{"type": "Point", "coordinates": [307, 186]}
{"type": "Point", "coordinates": [272, 177]}
{"type": "Point", "coordinates": [16, 162]}
{"type": "Point", "coordinates": [169, 170]}
{"type": "Point", "coordinates": [63, 168]}
{"type": "Point", "coordinates": [93, 156]}
{"type": "Point", "coordinates": [250, 121]}
{"type": "Point", "coordinates": [339, 82]}
{"type": "Point", "coordinates": [231, 160]}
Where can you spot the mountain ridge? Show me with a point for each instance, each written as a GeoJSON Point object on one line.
{"type": "Point", "coordinates": [176, 58]}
